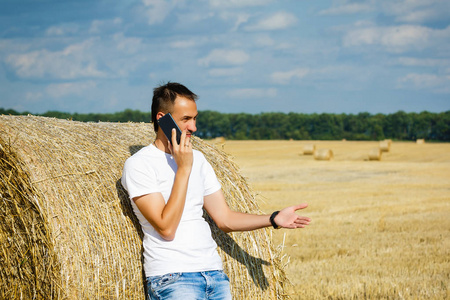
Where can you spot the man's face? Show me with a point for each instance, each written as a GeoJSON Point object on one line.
{"type": "Point", "coordinates": [185, 114]}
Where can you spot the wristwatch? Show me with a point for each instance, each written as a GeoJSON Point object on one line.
{"type": "Point", "coordinates": [272, 219]}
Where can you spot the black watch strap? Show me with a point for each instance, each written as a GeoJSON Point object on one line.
{"type": "Point", "coordinates": [272, 219]}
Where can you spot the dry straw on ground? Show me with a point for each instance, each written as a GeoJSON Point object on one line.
{"type": "Point", "coordinates": [67, 230]}
{"type": "Point", "coordinates": [378, 231]}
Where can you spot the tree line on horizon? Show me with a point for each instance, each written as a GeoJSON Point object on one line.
{"type": "Point", "coordinates": [400, 126]}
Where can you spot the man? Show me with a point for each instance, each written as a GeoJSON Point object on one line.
{"type": "Point", "coordinates": [169, 184]}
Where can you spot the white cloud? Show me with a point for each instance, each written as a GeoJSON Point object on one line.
{"type": "Point", "coordinates": [71, 63]}
{"type": "Point", "coordinates": [237, 18]}
{"type": "Point", "coordinates": [403, 11]}
{"type": "Point", "coordinates": [225, 72]}
{"type": "Point", "coordinates": [434, 82]}
{"type": "Point", "coordinates": [253, 93]}
{"type": "Point", "coordinates": [59, 90]}
{"type": "Point", "coordinates": [423, 62]}
{"type": "Point", "coordinates": [396, 38]}
{"type": "Point", "coordinates": [95, 26]}
{"type": "Point", "coordinates": [237, 3]}
{"type": "Point", "coordinates": [223, 57]}
{"type": "Point", "coordinates": [417, 16]}
{"type": "Point", "coordinates": [99, 26]}
{"type": "Point", "coordinates": [264, 41]}
{"type": "Point", "coordinates": [33, 96]}
{"type": "Point", "coordinates": [183, 44]}
{"type": "Point", "coordinates": [416, 11]}
{"type": "Point", "coordinates": [8, 46]}
{"type": "Point", "coordinates": [240, 19]}
{"type": "Point", "coordinates": [351, 8]}
{"type": "Point", "coordinates": [193, 19]}
{"type": "Point", "coordinates": [402, 36]}
{"type": "Point", "coordinates": [398, 7]}
{"type": "Point", "coordinates": [158, 10]}
{"type": "Point", "coordinates": [277, 21]}
{"type": "Point", "coordinates": [128, 45]}
{"type": "Point", "coordinates": [62, 30]}
{"type": "Point", "coordinates": [286, 77]}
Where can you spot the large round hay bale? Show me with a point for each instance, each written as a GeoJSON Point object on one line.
{"type": "Point", "coordinates": [420, 141]}
{"type": "Point", "coordinates": [385, 145]}
{"type": "Point", "coordinates": [375, 154]}
{"type": "Point", "coordinates": [67, 229]}
{"type": "Point", "coordinates": [323, 154]}
{"type": "Point", "coordinates": [218, 140]}
{"type": "Point", "coordinates": [309, 149]}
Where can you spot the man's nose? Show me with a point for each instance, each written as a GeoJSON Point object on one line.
{"type": "Point", "coordinates": [192, 126]}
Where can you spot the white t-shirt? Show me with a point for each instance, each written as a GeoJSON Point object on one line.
{"type": "Point", "coordinates": [151, 170]}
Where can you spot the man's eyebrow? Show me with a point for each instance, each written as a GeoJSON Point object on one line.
{"type": "Point", "coordinates": [190, 117]}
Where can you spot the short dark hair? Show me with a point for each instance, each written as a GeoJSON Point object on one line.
{"type": "Point", "coordinates": [164, 98]}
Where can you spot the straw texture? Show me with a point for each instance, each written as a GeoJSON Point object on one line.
{"type": "Point", "coordinates": [375, 154]}
{"type": "Point", "coordinates": [323, 154]}
{"type": "Point", "coordinates": [385, 145]}
{"type": "Point", "coordinates": [67, 229]}
{"type": "Point", "coordinates": [309, 149]}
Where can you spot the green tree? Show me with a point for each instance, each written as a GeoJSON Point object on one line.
{"type": "Point", "coordinates": [399, 126]}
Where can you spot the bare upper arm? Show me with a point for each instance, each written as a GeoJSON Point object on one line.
{"type": "Point", "coordinates": [217, 208]}
{"type": "Point", "coordinates": [151, 207]}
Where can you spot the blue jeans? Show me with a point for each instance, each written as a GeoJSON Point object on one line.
{"type": "Point", "coordinates": [196, 285]}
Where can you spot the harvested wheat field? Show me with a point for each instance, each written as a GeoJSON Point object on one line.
{"type": "Point", "coordinates": [380, 229]}
{"type": "Point", "coordinates": [67, 230]}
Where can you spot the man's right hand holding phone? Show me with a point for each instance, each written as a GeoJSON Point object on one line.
{"type": "Point", "coordinates": [182, 153]}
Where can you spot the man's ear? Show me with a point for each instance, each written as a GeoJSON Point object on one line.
{"type": "Point", "coordinates": [159, 115]}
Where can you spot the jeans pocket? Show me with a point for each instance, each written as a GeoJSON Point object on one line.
{"type": "Point", "coordinates": [158, 286]}
{"type": "Point", "coordinates": [156, 282]}
{"type": "Point", "coordinates": [224, 276]}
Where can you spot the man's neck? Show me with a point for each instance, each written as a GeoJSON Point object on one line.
{"type": "Point", "coordinates": [162, 143]}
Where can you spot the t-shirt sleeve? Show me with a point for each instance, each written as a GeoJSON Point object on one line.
{"type": "Point", "coordinates": [138, 179]}
{"type": "Point", "coordinates": [211, 182]}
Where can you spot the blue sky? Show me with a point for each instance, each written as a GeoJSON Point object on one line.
{"type": "Point", "coordinates": [376, 56]}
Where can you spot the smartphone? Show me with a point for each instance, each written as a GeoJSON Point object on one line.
{"type": "Point", "coordinates": [167, 123]}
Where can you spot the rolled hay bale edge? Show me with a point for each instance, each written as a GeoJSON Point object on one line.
{"type": "Point", "coordinates": [375, 154]}
{"type": "Point", "coordinates": [323, 154]}
{"type": "Point", "coordinates": [385, 145]}
{"type": "Point", "coordinates": [24, 236]}
{"type": "Point", "coordinates": [68, 231]}
{"type": "Point", "coordinates": [309, 149]}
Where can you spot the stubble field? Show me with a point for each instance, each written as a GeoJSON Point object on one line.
{"type": "Point", "coordinates": [380, 229]}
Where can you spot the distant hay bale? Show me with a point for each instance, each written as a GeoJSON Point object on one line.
{"type": "Point", "coordinates": [67, 229]}
{"type": "Point", "coordinates": [420, 141]}
{"type": "Point", "coordinates": [385, 145]}
{"type": "Point", "coordinates": [218, 140]}
{"type": "Point", "coordinates": [309, 149]}
{"type": "Point", "coordinates": [323, 154]}
{"type": "Point", "coordinates": [375, 154]}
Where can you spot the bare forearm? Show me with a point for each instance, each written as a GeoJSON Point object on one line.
{"type": "Point", "coordinates": [173, 210]}
{"type": "Point", "coordinates": [238, 221]}
{"type": "Point", "coordinates": [228, 220]}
